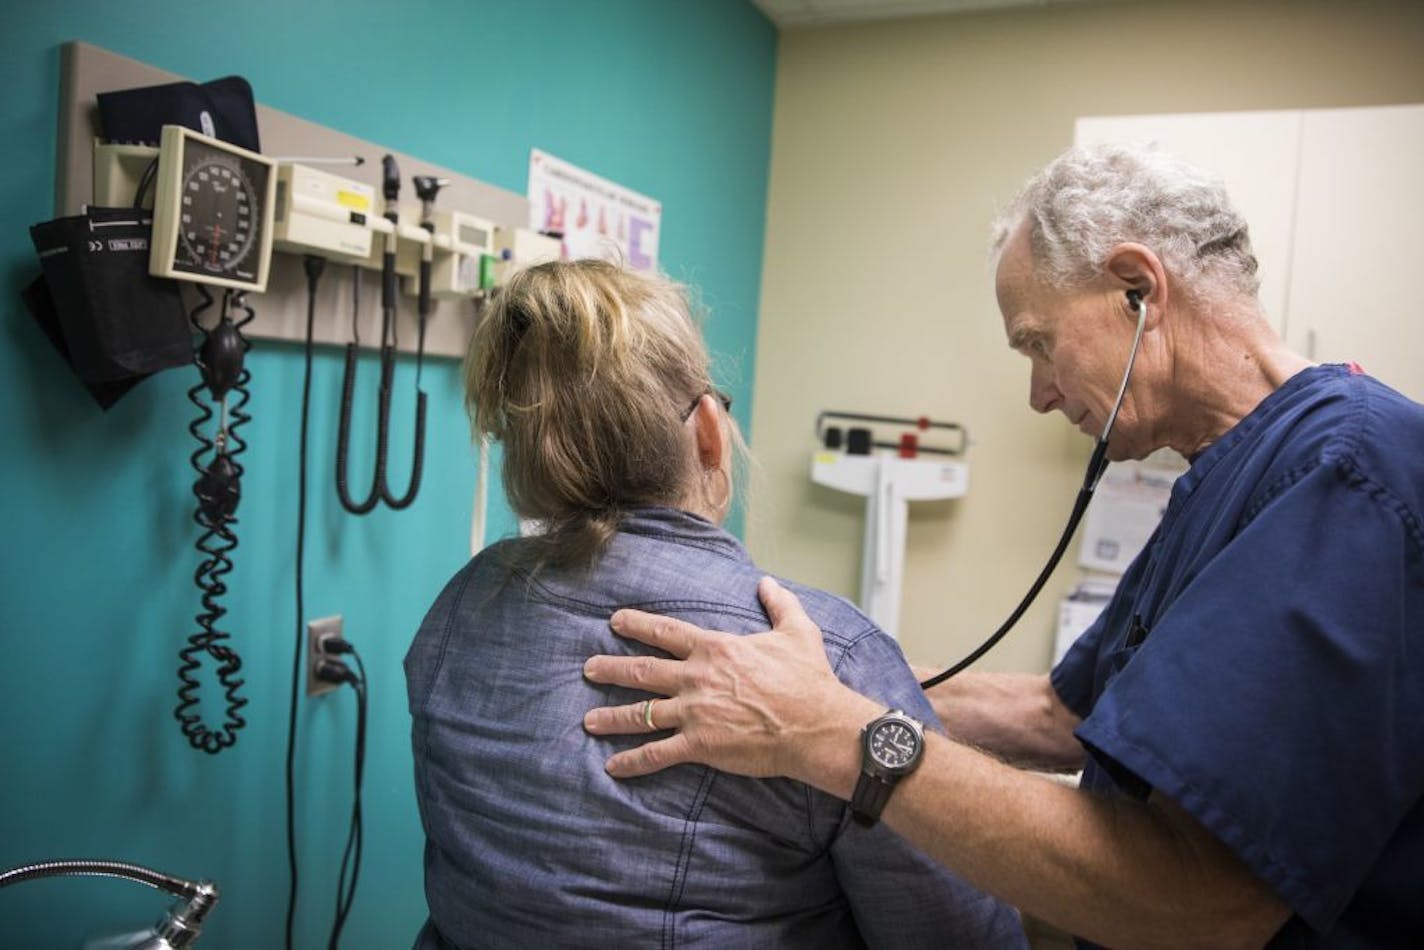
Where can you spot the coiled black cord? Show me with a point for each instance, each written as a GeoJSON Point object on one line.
{"type": "Point", "coordinates": [418, 460]}
{"type": "Point", "coordinates": [343, 442]}
{"type": "Point", "coordinates": [217, 489]}
{"type": "Point", "coordinates": [343, 432]}
{"type": "Point", "coordinates": [237, 410]}
{"type": "Point", "coordinates": [380, 487]}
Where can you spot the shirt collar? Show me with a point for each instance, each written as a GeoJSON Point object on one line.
{"type": "Point", "coordinates": [682, 527]}
{"type": "Point", "coordinates": [1205, 460]}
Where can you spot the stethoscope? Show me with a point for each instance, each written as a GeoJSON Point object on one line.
{"type": "Point", "coordinates": [1096, 465]}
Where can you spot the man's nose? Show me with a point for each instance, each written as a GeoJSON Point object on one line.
{"type": "Point", "coordinates": [1043, 394]}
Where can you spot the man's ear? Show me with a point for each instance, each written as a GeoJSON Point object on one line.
{"type": "Point", "coordinates": [707, 426]}
{"type": "Point", "coordinates": [1134, 267]}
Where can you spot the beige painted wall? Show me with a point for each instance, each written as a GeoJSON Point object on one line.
{"type": "Point", "coordinates": [893, 144]}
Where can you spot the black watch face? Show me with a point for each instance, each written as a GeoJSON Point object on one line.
{"type": "Point", "coordinates": [893, 745]}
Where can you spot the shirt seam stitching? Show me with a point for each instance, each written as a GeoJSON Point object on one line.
{"type": "Point", "coordinates": [445, 635]}
{"type": "Point", "coordinates": [1294, 887]}
{"type": "Point", "coordinates": [810, 803]}
{"type": "Point", "coordinates": [424, 758]}
{"type": "Point", "coordinates": [1356, 480]}
{"type": "Point", "coordinates": [668, 604]}
{"type": "Point", "coordinates": [1384, 494]}
{"type": "Point", "coordinates": [684, 858]}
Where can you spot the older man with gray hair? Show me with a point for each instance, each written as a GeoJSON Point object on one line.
{"type": "Point", "coordinates": [1248, 711]}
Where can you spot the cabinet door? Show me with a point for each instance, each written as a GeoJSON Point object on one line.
{"type": "Point", "coordinates": [1255, 153]}
{"type": "Point", "coordinates": [1359, 243]}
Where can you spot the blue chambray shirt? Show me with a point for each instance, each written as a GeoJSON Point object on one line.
{"type": "Point", "coordinates": [530, 842]}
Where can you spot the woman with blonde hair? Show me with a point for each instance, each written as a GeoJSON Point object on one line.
{"type": "Point", "coordinates": [597, 383]}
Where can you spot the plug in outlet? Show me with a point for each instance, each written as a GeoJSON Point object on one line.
{"type": "Point", "coordinates": [318, 632]}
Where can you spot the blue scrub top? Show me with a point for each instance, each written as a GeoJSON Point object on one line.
{"type": "Point", "coordinates": [1262, 662]}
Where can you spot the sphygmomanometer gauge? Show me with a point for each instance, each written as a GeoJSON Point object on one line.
{"type": "Point", "coordinates": [217, 219]}
{"type": "Point", "coordinates": [212, 216]}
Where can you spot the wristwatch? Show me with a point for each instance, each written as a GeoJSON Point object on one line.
{"type": "Point", "coordinates": [891, 747]}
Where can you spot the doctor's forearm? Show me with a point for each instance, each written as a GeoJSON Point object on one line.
{"type": "Point", "coordinates": [1016, 717]}
{"type": "Point", "coordinates": [1120, 872]}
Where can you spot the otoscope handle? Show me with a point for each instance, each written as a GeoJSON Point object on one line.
{"type": "Point", "coordinates": [390, 188]}
{"type": "Point", "coordinates": [388, 369]}
{"type": "Point", "coordinates": [424, 303]}
{"type": "Point", "coordinates": [388, 281]}
{"type": "Point", "coordinates": [390, 178]}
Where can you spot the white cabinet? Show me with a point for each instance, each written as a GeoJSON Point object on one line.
{"type": "Point", "coordinates": [1359, 236]}
{"type": "Point", "coordinates": [1335, 201]}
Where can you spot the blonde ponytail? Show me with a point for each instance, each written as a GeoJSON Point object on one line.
{"type": "Point", "coordinates": [583, 370]}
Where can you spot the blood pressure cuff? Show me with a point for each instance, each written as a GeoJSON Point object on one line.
{"type": "Point", "coordinates": [222, 109]}
{"type": "Point", "coordinates": [117, 321]}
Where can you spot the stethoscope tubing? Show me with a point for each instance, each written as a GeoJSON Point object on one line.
{"type": "Point", "coordinates": [1097, 464]}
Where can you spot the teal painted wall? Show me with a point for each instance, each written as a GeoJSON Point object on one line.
{"type": "Point", "coordinates": [672, 99]}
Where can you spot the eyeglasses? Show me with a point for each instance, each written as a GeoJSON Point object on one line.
{"type": "Point", "coordinates": [722, 397]}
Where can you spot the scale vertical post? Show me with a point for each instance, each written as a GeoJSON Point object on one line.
{"type": "Point", "coordinates": [883, 550]}
{"type": "Point", "coordinates": [888, 485]}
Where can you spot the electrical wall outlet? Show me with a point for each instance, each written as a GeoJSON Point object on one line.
{"type": "Point", "coordinates": [318, 631]}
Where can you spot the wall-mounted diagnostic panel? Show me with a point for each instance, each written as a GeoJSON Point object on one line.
{"type": "Point", "coordinates": [460, 242]}
{"type": "Point", "coordinates": [326, 199]}
{"type": "Point", "coordinates": [321, 213]}
{"type": "Point", "coordinates": [212, 212]}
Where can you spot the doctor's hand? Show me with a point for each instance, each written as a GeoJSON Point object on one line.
{"type": "Point", "coordinates": [762, 705]}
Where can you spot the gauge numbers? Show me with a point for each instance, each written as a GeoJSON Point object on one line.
{"type": "Point", "coordinates": [212, 212]}
{"type": "Point", "coordinates": [217, 218]}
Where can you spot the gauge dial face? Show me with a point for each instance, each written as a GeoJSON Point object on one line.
{"type": "Point", "coordinates": [219, 213]}
{"type": "Point", "coordinates": [893, 745]}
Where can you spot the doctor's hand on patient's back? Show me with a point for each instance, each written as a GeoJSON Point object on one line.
{"type": "Point", "coordinates": [761, 705]}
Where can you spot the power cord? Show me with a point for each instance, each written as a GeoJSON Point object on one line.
{"type": "Point", "coordinates": [313, 266]}
{"type": "Point", "coordinates": [141, 192]}
{"type": "Point", "coordinates": [335, 671]}
{"type": "Point", "coordinates": [332, 670]}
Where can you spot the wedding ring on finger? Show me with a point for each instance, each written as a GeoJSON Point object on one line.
{"type": "Point", "coordinates": [648, 714]}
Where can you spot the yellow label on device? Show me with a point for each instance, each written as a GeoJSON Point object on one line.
{"type": "Point", "coordinates": [353, 200]}
{"type": "Point", "coordinates": [827, 457]}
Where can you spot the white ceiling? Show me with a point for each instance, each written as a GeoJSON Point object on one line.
{"type": "Point", "coordinates": [796, 13]}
